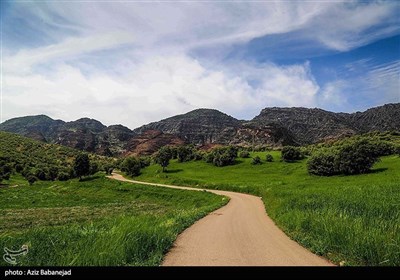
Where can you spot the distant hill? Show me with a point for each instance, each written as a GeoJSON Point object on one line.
{"type": "Point", "coordinates": [273, 127]}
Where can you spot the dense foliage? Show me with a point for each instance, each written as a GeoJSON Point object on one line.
{"type": "Point", "coordinates": [352, 157]}
{"type": "Point", "coordinates": [244, 154]}
{"type": "Point", "coordinates": [163, 156]}
{"type": "Point", "coordinates": [222, 156]}
{"type": "Point", "coordinates": [291, 153]}
{"type": "Point", "coordinates": [40, 161]}
{"type": "Point", "coordinates": [131, 166]}
{"type": "Point", "coordinates": [256, 160]}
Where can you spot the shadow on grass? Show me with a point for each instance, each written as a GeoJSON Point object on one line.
{"type": "Point", "coordinates": [378, 170]}
{"type": "Point", "coordinates": [173, 171]}
{"type": "Point", "coordinates": [90, 178]}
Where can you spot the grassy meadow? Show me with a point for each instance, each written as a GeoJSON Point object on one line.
{"type": "Point", "coordinates": [351, 219]}
{"type": "Point", "coordinates": [96, 222]}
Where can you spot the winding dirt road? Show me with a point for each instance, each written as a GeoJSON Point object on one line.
{"type": "Point", "coordinates": [238, 234]}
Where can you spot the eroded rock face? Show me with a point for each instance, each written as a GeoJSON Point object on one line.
{"type": "Point", "coordinates": [307, 125]}
{"type": "Point", "coordinates": [197, 127]}
{"type": "Point", "coordinates": [207, 127]}
{"type": "Point", "coordinates": [150, 142]}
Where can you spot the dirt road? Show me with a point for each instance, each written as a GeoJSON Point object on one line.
{"type": "Point", "coordinates": [238, 234]}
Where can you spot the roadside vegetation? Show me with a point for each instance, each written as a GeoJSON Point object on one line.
{"type": "Point", "coordinates": [350, 218]}
{"type": "Point", "coordinates": [97, 221]}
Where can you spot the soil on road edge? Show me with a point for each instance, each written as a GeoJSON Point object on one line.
{"type": "Point", "coordinates": [238, 234]}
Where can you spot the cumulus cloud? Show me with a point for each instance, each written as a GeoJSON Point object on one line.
{"type": "Point", "coordinates": [162, 86]}
{"type": "Point", "coordinates": [132, 62]}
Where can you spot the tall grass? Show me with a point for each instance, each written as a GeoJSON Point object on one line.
{"type": "Point", "coordinates": [98, 222]}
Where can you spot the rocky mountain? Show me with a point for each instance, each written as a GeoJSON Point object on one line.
{"type": "Point", "coordinates": [307, 125]}
{"type": "Point", "coordinates": [200, 126]}
{"type": "Point", "coordinates": [381, 118]}
{"type": "Point", "coordinates": [83, 134]}
{"type": "Point", "coordinates": [316, 125]}
{"type": "Point", "coordinates": [273, 127]}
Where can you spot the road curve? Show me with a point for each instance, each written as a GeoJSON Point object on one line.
{"type": "Point", "coordinates": [238, 234]}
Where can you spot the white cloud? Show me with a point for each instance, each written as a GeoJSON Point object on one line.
{"type": "Point", "coordinates": [23, 60]}
{"type": "Point", "coordinates": [160, 87]}
{"type": "Point", "coordinates": [154, 76]}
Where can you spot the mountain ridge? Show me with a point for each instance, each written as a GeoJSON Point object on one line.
{"type": "Point", "coordinates": [273, 126]}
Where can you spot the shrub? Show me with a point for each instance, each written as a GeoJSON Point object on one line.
{"type": "Point", "coordinates": [290, 153]}
{"type": "Point", "coordinates": [31, 179]}
{"type": "Point", "coordinates": [94, 168]}
{"type": "Point", "coordinates": [256, 160]}
{"type": "Point", "coordinates": [356, 158]}
{"type": "Point", "coordinates": [5, 169]}
{"type": "Point", "coordinates": [40, 174]}
{"type": "Point", "coordinates": [350, 158]}
{"type": "Point", "coordinates": [63, 176]}
{"type": "Point", "coordinates": [269, 158]}
{"type": "Point", "coordinates": [323, 163]}
{"type": "Point", "coordinates": [144, 162]}
{"type": "Point", "coordinates": [185, 153]}
{"type": "Point", "coordinates": [222, 156]}
{"type": "Point", "coordinates": [82, 165]}
{"type": "Point", "coordinates": [244, 154]}
{"type": "Point", "coordinates": [131, 166]}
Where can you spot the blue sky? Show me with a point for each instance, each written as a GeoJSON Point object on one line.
{"type": "Point", "coordinates": [135, 62]}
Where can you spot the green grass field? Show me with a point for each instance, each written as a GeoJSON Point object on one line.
{"type": "Point", "coordinates": [355, 219]}
{"type": "Point", "coordinates": [96, 222]}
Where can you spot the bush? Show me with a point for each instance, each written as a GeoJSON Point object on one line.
{"type": "Point", "coordinates": [356, 158]}
{"type": "Point", "coordinates": [82, 165]}
{"type": "Point", "coordinates": [323, 163]}
{"type": "Point", "coordinates": [31, 179]}
{"type": "Point", "coordinates": [350, 158]}
{"type": "Point", "coordinates": [256, 160]}
{"type": "Point", "coordinates": [244, 154]}
{"type": "Point", "coordinates": [290, 153]}
{"type": "Point", "coordinates": [63, 176]}
{"type": "Point", "coordinates": [40, 174]}
{"type": "Point", "coordinates": [222, 156]}
{"type": "Point", "coordinates": [144, 162]}
{"type": "Point", "coordinates": [94, 168]}
{"type": "Point", "coordinates": [131, 166]}
{"type": "Point", "coordinates": [5, 169]}
{"type": "Point", "coordinates": [185, 153]}
{"type": "Point", "coordinates": [269, 158]}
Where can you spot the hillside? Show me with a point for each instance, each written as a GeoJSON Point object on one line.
{"type": "Point", "coordinates": [273, 127]}
{"type": "Point", "coordinates": [33, 156]}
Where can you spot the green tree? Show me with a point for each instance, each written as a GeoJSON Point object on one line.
{"type": "Point", "coordinates": [131, 166]}
{"type": "Point", "coordinates": [222, 156]}
{"type": "Point", "coordinates": [290, 153]}
{"type": "Point", "coordinates": [269, 158]}
{"type": "Point", "coordinates": [256, 160]}
{"type": "Point", "coordinates": [82, 165]}
{"type": "Point", "coordinates": [5, 169]}
{"type": "Point", "coordinates": [163, 156]}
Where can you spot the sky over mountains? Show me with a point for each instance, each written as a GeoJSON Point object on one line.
{"type": "Point", "coordinates": [137, 62]}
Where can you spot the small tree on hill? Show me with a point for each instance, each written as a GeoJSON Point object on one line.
{"type": "Point", "coordinates": [82, 165]}
{"type": "Point", "coordinates": [163, 156]}
{"type": "Point", "coordinates": [269, 158]}
{"type": "Point", "coordinates": [131, 166]}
